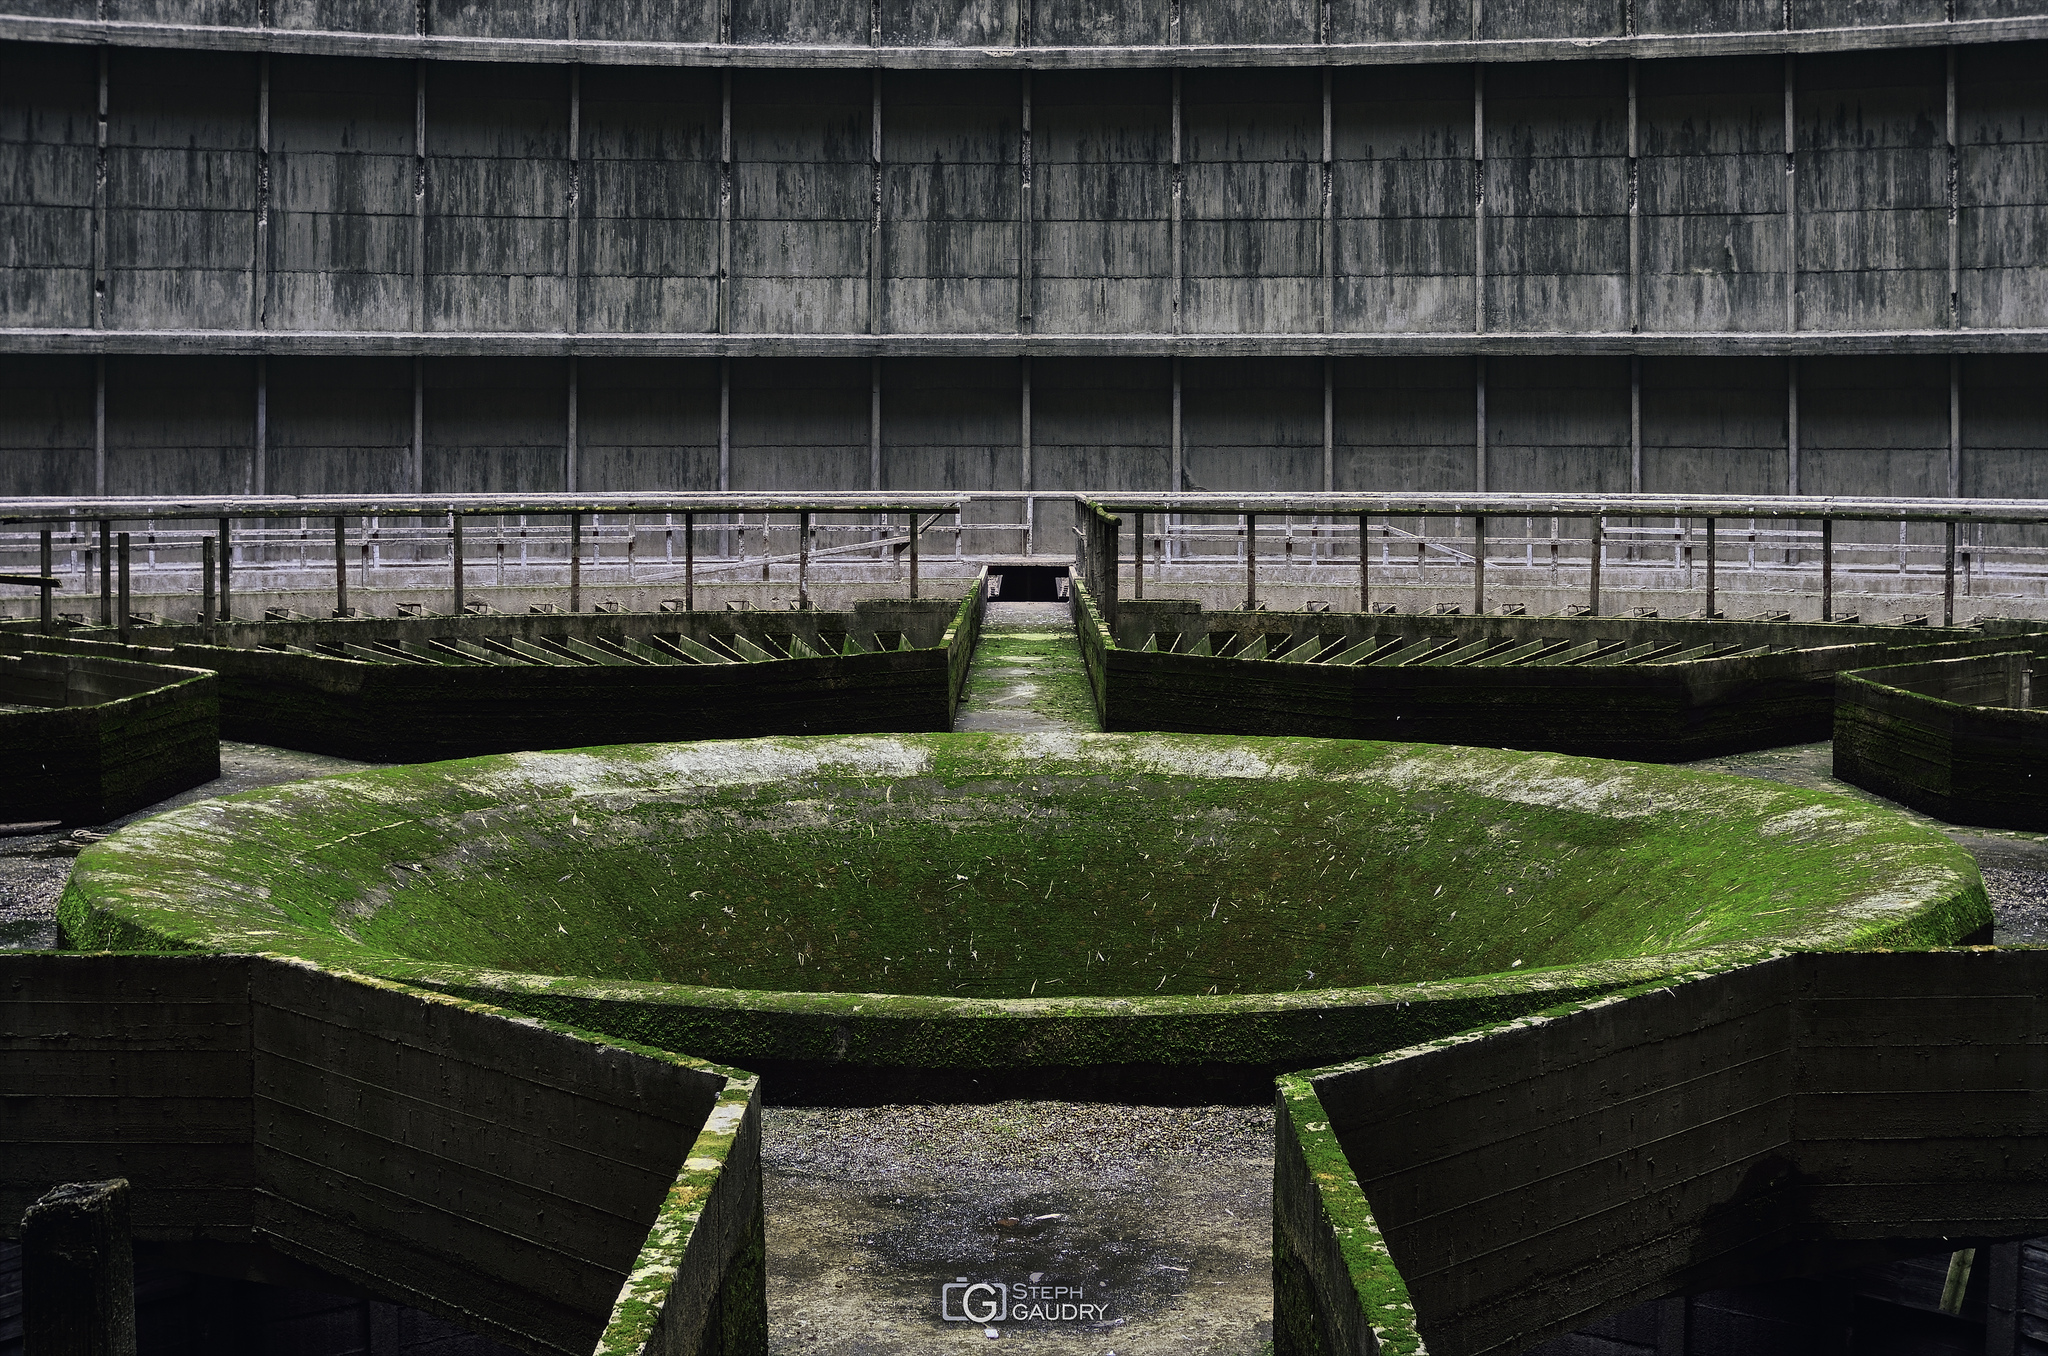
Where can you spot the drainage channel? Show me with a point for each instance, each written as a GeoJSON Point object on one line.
{"type": "Point", "coordinates": [1027, 675]}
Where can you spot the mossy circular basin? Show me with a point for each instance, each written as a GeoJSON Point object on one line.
{"type": "Point", "coordinates": [1129, 915]}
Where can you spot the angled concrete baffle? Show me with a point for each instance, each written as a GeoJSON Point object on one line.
{"type": "Point", "coordinates": [1960, 739]}
{"type": "Point", "coordinates": [557, 1191]}
{"type": "Point", "coordinates": [1810, 1113]}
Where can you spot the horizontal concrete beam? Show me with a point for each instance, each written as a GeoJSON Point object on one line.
{"type": "Point", "coordinates": [557, 344]}
{"type": "Point", "coordinates": [59, 509]}
{"type": "Point", "coordinates": [777, 56]}
{"type": "Point", "coordinates": [1824, 507]}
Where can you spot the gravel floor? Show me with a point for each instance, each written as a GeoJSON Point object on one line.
{"type": "Point", "coordinates": [1158, 1218]}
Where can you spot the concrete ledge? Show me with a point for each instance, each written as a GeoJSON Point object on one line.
{"type": "Point", "coordinates": [555, 1190]}
{"type": "Point", "coordinates": [433, 700]}
{"type": "Point", "coordinates": [1956, 738]}
{"type": "Point", "coordinates": [116, 735]}
{"type": "Point", "coordinates": [1819, 1111]}
{"type": "Point", "coordinates": [1664, 691]}
{"type": "Point", "coordinates": [642, 892]}
{"type": "Point", "coordinates": [800, 56]}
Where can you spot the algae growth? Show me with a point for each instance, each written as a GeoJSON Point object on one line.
{"type": "Point", "coordinates": [1025, 867]}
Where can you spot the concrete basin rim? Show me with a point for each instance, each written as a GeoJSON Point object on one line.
{"type": "Point", "coordinates": [217, 918]}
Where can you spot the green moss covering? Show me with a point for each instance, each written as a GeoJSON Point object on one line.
{"type": "Point", "coordinates": [1127, 881]}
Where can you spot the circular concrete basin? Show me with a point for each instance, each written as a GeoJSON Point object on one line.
{"type": "Point", "coordinates": [1157, 915]}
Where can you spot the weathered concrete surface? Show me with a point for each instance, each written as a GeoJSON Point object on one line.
{"type": "Point", "coordinates": [1162, 1215]}
{"type": "Point", "coordinates": [1725, 1128]}
{"type": "Point", "coordinates": [1959, 739]}
{"type": "Point", "coordinates": [561, 1192]}
{"type": "Point", "coordinates": [1027, 675]}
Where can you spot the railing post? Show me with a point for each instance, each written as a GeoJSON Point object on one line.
{"type": "Point", "coordinates": [49, 617]}
{"type": "Point", "coordinates": [1364, 569]}
{"type": "Point", "coordinates": [106, 573]}
{"type": "Point", "coordinates": [340, 567]}
{"type": "Point", "coordinates": [689, 562]}
{"type": "Point", "coordinates": [1827, 569]}
{"type": "Point", "coordinates": [1948, 577]}
{"type": "Point", "coordinates": [1599, 545]}
{"type": "Point", "coordinates": [916, 531]}
{"type": "Point", "coordinates": [206, 615]}
{"type": "Point", "coordinates": [455, 551]}
{"type": "Point", "coordinates": [1710, 569]}
{"type": "Point", "coordinates": [1478, 565]}
{"type": "Point", "coordinates": [803, 560]}
{"type": "Point", "coordinates": [575, 562]}
{"type": "Point", "coordinates": [121, 547]}
{"type": "Point", "coordinates": [1251, 562]}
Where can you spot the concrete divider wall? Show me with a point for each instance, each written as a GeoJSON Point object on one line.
{"type": "Point", "coordinates": [1949, 737]}
{"type": "Point", "coordinates": [552, 1190]}
{"type": "Point", "coordinates": [404, 712]}
{"type": "Point", "coordinates": [117, 735]}
{"type": "Point", "coordinates": [1663, 712]}
{"type": "Point", "coordinates": [1809, 1113]}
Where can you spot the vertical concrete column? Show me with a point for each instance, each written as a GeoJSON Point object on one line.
{"type": "Point", "coordinates": [99, 209]}
{"type": "Point", "coordinates": [876, 263]}
{"type": "Point", "coordinates": [1635, 235]}
{"type": "Point", "coordinates": [875, 424]}
{"type": "Point", "coordinates": [1177, 472]}
{"type": "Point", "coordinates": [1329, 425]}
{"type": "Point", "coordinates": [574, 210]}
{"type": "Point", "coordinates": [1955, 179]}
{"type": "Point", "coordinates": [1635, 425]}
{"type": "Point", "coordinates": [419, 194]}
{"type": "Point", "coordinates": [1024, 454]}
{"type": "Point", "coordinates": [1791, 190]}
{"type": "Point", "coordinates": [1479, 426]}
{"type": "Point", "coordinates": [99, 425]}
{"type": "Point", "coordinates": [1027, 230]}
{"type": "Point", "coordinates": [1955, 426]}
{"type": "Point", "coordinates": [259, 455]}
{"type": "Point", "coordinates": [259, 270]}
{"type": "Point", "coordinates": [725, 193]}
{"type": "Point", "coordinates": [1179, 192]}
{"type": "Point", "coordinates": [1792, 426]}
{"type": "Point", "coordinates": [1478, 186]}
{"type": "Point", "coordinates": [419, 425]}
{"type": "Point", "coordinates": [573, 445]}
{"type": "Point", "coordinates": [1329, 224]}
{"type": "Point", "coordinates": [78, 1272]}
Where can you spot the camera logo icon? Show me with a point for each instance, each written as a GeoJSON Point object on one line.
{"type": "Point", "coordinates": [965, 1301]}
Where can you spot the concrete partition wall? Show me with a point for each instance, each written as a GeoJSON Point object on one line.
{"type": "Point", "coordinates": [1960, 739]}
{"type": "Point", "coordinates": [115, 735]}
{"type": "Point", "coordinates": [1809, 1113]}
{"type": "Point", "coordinates": [556, 1191]}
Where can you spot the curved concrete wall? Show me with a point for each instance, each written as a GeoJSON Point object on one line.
{"type": "Point", "coordinates": [1713, 246]}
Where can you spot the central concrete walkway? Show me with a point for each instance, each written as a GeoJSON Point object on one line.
{"type": "Point", "coordinates": [1027, 675]}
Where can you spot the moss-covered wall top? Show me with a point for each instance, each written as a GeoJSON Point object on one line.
{"type": "Point", "coordinates": [982, 901]}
